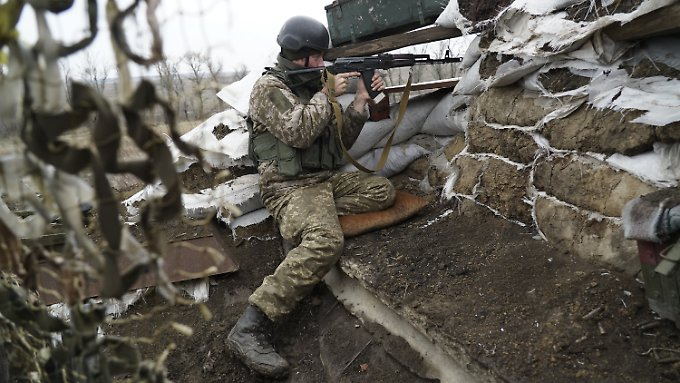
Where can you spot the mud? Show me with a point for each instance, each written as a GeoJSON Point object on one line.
{"type": "Point", "coordinates": [513, 144]}
{"type": "Point", "coordinates": [562, 80]}
{"type": "Point", "coordinates": [526, 310]}
{"type": "Point", "coordinates": [588, 183]}
{"type": "Point", "coordinates": [518, 307]}
{"type": "Point", "coordinates": [600, 131]}
{"type": "Point", "coordinates": [511, 105]}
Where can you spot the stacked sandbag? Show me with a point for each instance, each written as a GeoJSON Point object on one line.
{"type": "Point", "coordinates": [225, 185]}
{"type": "Point", "coordinates": [566, 124]}
{"type": "Point", "coordinates": [428, 125]}
{"type": "Point", "coordinates": [430, 115]}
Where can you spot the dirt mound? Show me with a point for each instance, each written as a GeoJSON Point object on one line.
{"type": "Point", "coordinates": [323, 342]}
{"type": "Point", "coordinates": [523, 309]}
{"type": "Point", "coordinates": [515, 305]}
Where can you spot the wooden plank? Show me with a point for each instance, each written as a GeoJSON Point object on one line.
{"type": "Point", "coordinates": [664, 21]}
{"type": "Point", "coordinates": [181, 263]}
{"type": "Point", "coordinates": [47, 240]}
{"type": "Point", "coordinates": [436, 84]}
{"type": "Point", "coordinates": [389, 43]}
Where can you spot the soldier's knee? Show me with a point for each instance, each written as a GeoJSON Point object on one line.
{"type": "Point", "coordinates": [326, 245]}
{"type": "Point", "coordinates": [387, 192]}
{"type": "Point", "coordinates": [336, 241]}
{"type": "Point", "coordinates": [332, 240]}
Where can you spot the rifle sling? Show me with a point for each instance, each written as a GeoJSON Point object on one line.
{"type": "Point", "coordinates": [329, 82]}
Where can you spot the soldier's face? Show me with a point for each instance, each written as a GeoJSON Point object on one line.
{"type": "Point", "coordinates": [316, 60]}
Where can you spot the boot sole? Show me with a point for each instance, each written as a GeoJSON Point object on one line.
{"type": "Point", "coordinates": [259, 368]}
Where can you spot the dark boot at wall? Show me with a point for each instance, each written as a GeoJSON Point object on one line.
{"type": "Point", "coordinates": [250, 341]}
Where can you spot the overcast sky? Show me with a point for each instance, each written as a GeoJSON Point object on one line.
{"type": "Point", "coordinates": [235, 32]}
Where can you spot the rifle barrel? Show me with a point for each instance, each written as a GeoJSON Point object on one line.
{"type": "Point", "coordinates": [381, 61]}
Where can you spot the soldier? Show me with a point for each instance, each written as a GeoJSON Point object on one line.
{"type": "Point", "coordinates": [294, 140]}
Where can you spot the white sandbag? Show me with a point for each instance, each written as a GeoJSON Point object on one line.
{"type": "Point", "coordinates": [452, 18]}
{"type": "Point", "coordinates": [374, 134]}
{"type": "Point", "coordinates": [248, 219]}
{"type": "Point", "coordinates": [601, 50]}
{"type": "Point", "coordinates": [429, 142]}
{"type": "Point", "coordinates": [399, 158]}
{"type": "Point", "coordinates": [532, 28]}
{"type": "Point", "coordinates": [659, 50]}
{"type": "Point", "coordinates": [472, 53]}
{"type": "Point", "coordinates": [512, 71]}
{"type": "Point", "coordinates": [370, 135]}
{"type": "Point", "coordinates": [670, 159]}
{"type": "Point", "coordinates": [449, 117]}
{"type": "Point", "coordinates": [470, 83]}
{"type": "Point", "coordinates": [657, 96]}
{"type": "Point", "coordinates": [203, 136]}
{"type": "Point", "coordinates": [411, 124]}
{"type": "Point", "coordinates": [230, 150]}
{"type": "Point", "coordinates": [659, 166]}
{"type": "Point", "coordinates": [242, 193]}
{"type": "Point", "coordinates": [237, 94]}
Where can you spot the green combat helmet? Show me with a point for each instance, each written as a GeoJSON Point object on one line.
{"type": "Point", "coordinates": [303, 34]}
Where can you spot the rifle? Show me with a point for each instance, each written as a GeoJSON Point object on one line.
{"type": "Point", "coordinates": [368, 64]}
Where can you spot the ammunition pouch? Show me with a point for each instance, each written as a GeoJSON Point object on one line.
{"type": "Point", "coordinates": [323, 154]}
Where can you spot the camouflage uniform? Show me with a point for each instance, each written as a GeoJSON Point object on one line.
{"type": "Point", "coordinates": [306, 205]}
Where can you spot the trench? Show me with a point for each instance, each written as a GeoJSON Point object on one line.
{"type": "Point", "coordinates": [367, 307]}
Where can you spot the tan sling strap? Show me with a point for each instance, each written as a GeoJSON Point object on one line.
{"type": "Point", "coordinates": [329, 82]}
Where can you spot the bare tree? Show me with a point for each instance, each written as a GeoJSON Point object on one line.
{"type": "Point", "coordinates": [68, 76]}
{"type": "Point", "coordinates": [170, 81]}
{"type": "Point", "coordinates": [95, 72]}
{"type": "Point", "coordinates": [215, 71]}
{"type": "Point", "coordinates": [197, 72]}
{"type": "Point", "coordinates": [239, 72]}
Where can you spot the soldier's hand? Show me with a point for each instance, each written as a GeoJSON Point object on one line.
{"type": "Point", "coordinates": [377, 84]}
{"type": "Point", "coordinates": [341, 83]}
{"type": "Point", "coordinates": [362, 97]}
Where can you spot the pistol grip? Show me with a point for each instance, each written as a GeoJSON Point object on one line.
{"type": "Point", "coordinates": [367, 77]}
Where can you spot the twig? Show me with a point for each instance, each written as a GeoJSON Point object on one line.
{"type": "Point", "coordinates": [593, 312]}
{"type": "Point", "coordinates": [649, 325]}
{"type": "Point", "coordinates": [354, 358]}
{"type": "Point", "coordinates": [656, 349]}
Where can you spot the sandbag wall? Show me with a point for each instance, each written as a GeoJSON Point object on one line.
{"type": "Point", "coordinates": [231, 190]}
{"type": "Point", "coordinates": [561, 137]}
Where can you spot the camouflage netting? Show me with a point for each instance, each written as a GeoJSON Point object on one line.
{"type": "Point", "coordinates": [59, 176]}
{"type": "Point", "coordinates": [566, 124]}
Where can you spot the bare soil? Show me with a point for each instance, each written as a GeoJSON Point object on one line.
{"type": "Point", "coordinates": [525, 310]}
{"type": "Point", "coordinates": [323, 342]}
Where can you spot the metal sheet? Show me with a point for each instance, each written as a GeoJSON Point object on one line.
{"type": "Point", "coordinates": [179, 260]}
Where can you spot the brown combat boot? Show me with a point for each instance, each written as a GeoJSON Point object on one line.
{"type": "Point", "coordinates": [249, 341]}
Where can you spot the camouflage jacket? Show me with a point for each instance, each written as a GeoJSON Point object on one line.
{"type": "Point", "coordinates": [297, 123]}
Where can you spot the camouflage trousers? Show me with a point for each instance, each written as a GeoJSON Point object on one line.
{"type": "Point", "coordinates": [308, 216]}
